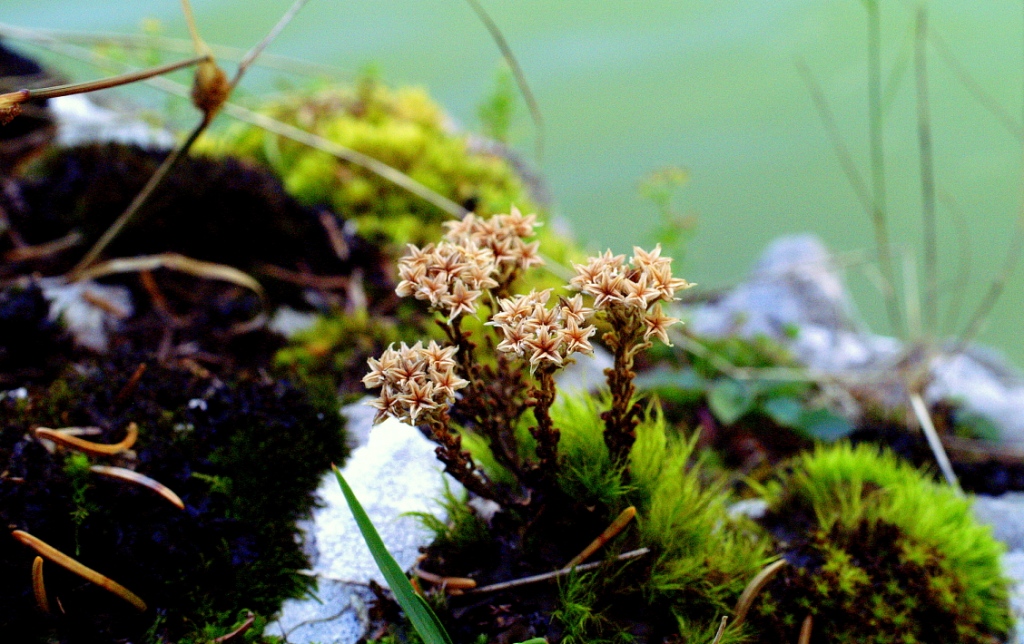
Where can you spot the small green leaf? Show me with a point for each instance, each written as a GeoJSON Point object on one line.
{"type": "Point", "coordinates": [824, 424]}
{"type": "Point", "coordinates": [416, 608]}
{"type": "Point", "coordinates": [785, 411]}
{"type": "Point", "coordinates": [730, 400]}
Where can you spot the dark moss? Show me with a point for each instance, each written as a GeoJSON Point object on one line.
{"type": "Point", "coordinates": [217, 210]}
{"type": "Point", "coordinates": [32, 346]}
{"type": "Point", "coordinates": [244, 453]}
{"type": "Point", "coordinates": [867, 584]}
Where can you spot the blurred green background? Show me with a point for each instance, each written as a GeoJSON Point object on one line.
{"type": "Point", "coordinates": [713, 87]}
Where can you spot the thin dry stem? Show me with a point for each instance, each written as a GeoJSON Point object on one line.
{"type": "Point", "coordinates": [22, 95]}
{"type": "Point", "coordinates": [525, 581]}
{"type": "Point", "coordinates": [517, 71]}
{"type": "Point", "coordinates": [924, 137]}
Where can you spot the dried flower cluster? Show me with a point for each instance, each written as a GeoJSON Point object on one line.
{"type": "Point", "coordinates": [547, 334]}
{"type": "Point", "coordinates": [475, 256]}
{"type": "Point", "coordinates": [620, 287]}
{"type": "Point", "coordinates": [413, 380]}
{"type": "Point", "coordinates": [476, 263]}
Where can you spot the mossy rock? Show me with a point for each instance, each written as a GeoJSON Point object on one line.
{"type": "Point", "coordinates": [244, 453]}
{"type": "Point", "coordinates": [879, 552]}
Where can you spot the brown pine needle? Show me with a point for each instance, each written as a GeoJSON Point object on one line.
{"type": "Point", "coordinates": [455, 583]}
{"type": "Point", "coordinates": [131, 476]}
{"type": "Point", "coordinates": [89, 447]}
{"type": "Point", "coordinates": [721, 630]}
{"type": "Point", "coordinates": [617, 526]}
{"type": "Point", "coordinates": [246, 625]}
{"type": "Point", "coordinates": [61, 559]}
{"type": "Point", "coordinates": [131, 385]}
{"type": "Point", "coordinates": [805, 630]}
{"type": "Point", "coordinates": [755, 586]}
{"type": "Point", "coordinates": [38, 587]}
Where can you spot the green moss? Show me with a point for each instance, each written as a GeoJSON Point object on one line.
{"type": "Point", "coordinates": [700, 561]}
{"type": "Point", "coordinates": [882, 553]}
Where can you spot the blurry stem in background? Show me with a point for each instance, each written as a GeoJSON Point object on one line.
{"type": "Point", "coordinates": [878, 189]}
{"type": "Point", "coordinates": [842, 152]}
{"type": "Point", "coordinates": [924, 137]}
{"type": "Point", "coordinates": [180, 45]}
{"type": "Point", "coordinates": [995, 289]}
{"type": "Point", "coordinates": [517, 71]}
{"type": "Point", "coordinates": [963, 275]}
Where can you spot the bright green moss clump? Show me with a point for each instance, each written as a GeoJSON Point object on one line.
{"type": "Point", "coordinates": [880, 553]}
{"type": "Point", "coordinates": [402, 128]}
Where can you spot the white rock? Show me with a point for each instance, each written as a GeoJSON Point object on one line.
{"type": "Point", "coordinates": [392, 472]}
{"type": "Point", "coordinates": [796, 286]}
{"type": "Point", "coordinates": [89, 310]}
{"type": "Point", "coordinates": [80, 120]}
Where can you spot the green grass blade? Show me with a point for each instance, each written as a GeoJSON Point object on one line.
{"type": "Point", "coordinates": [416, 608]}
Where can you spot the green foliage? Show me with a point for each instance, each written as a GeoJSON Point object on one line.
{"type": "Point", "coordinates": [786, 403]}
{"type": "Point", "coordinates": [674, 230]}
{"type": "Point", "coordinates": [885, 554]}
{"type": "Point", "coordinates": [76, 467]}
{"type": "Point", "coordinates": [498, 109]}
{"type": "Point", "coordinates": [463, 528]}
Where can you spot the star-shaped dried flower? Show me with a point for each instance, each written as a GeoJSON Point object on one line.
{"type": "Point", "coordinates": [439, 357]}
{"type": "Point", "coordinates": [607, 290]}
{"type": "Point", "coordinates": [638, 294]}
{"type": "Point", "coordinates": [446, 382]}
{"type": "Point", "coordinates": [544, 347]}
{"type": "Point", "coordinates": [417, 397]}
{"type": "Point", "coordinates": [577, 338]}
{"type": "Point", "coordinates": [387, 404]}
{"type": "Point", "coordinates": [657, 324]}
{"type": "Point", "coordinates": [573, 308]}
{"type": "Point", "coordinates": [460, 300]}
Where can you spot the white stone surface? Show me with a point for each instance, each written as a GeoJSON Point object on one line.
{"type": "Point", "coordinates": [88, 310]}
{"type": "Point", "coordinates": [392, 471]}
{"type": "Point", "coordinates": [796, 286]}
{"type": "Point", "coordinates": [80, 120]}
